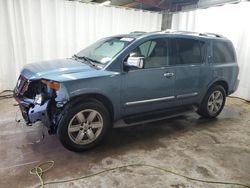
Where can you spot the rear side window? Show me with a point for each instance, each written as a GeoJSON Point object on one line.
{"type": "Point", "coordinates": [223, 52]}
{"type": "Point", "coordinates": [189, 51]}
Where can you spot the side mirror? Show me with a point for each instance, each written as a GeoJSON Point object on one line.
{"type": "Point", "coordinates": [137, 62]}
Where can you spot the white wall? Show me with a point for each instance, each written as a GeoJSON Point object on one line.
{"type": "Point", "coordinates": [35, 30]}
{"type": "Point", "coordinates": [232, 21]}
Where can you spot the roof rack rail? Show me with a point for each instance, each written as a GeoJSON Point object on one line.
{"type": "Point", "coordinates": [194, 33]}
{"type": "Point", "coordinates": [169, 31]}
{"type": "Point", "coordinates": [188, 32]}
{"type": "Point", "coordinates": [213, 34]}
{"type": "Point", "coordinates": [138, 32]}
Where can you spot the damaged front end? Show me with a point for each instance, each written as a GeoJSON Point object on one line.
{"type": "Point", "coordinates": [40, 100]}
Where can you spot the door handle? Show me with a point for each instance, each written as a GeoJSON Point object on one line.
{"type": "Point", "coordinates": [168, 74]}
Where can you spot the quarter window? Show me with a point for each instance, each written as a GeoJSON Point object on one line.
{"type": "Point", "coordinates": [223, 52]}
{"type": "Point", "coordinates": [189, 51]}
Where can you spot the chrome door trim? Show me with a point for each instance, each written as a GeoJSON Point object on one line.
{"type": "Point", "coordinates": [149, 100]}
{"type": "Point", "coordinates": [187, 95]}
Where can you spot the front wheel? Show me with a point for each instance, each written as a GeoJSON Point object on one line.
{"type": "Point", "coordinates": [83, 126]}
{"type": "Point", "coordinates": [213, 102]}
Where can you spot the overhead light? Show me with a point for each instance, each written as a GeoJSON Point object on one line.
{"type": "Point", "coordinates": [105, 3]}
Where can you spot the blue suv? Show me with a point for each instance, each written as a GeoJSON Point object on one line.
{"type": "Point", "coordinates": [126, 80]}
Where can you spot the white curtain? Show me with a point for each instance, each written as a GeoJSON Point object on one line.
{"type": "Point", "coordinates": [232, 21]}
{"type": "Point", "coordinates": [36, 30]}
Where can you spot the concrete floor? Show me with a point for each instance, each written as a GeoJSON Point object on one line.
{"type": "Point", "coordinates": [208, 149]}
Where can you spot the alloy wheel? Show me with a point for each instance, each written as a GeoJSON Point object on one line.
{"type": "Point", "coordinates": [85, 126]}
{"type": "Point", "coordinates": [215, 102]}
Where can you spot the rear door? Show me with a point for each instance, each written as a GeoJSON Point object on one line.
{"type": "Point", "coordinates": [189, 63]}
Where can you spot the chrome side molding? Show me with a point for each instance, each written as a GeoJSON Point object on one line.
{"type": "Point", "coordinates": [187, 95]}
{"type": "Point", "coordinates": [161, 99]}
{"type": "Point", "coordinates": [149, 100]}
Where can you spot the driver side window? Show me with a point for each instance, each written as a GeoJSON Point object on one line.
{"type": "Point", "coordinates": [154, 52]}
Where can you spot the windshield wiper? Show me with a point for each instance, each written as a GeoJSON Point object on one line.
{"type": "Point", "coordinates": [93, 60]}
{"type": "Point", "coordinates": [85, 59]}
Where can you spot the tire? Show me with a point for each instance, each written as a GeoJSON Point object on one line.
{"type": "Point", "coordinates": [213, 102]}
{"type": "Point", "coordinates": [83, 125]}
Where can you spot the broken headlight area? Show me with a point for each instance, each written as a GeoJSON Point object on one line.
{"type": "Point", "coordinates": [37, 101]}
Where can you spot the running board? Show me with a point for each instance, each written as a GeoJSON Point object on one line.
{"type": "Point", "coordinates": [152, 116]}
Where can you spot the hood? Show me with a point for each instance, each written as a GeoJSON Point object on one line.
{"type": "Point", "coordinates": [55, 69]}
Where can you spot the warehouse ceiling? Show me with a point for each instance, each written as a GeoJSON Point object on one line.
{"type": "Point", "coordinates": [163, 5]}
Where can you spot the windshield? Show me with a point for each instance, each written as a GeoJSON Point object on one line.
{"type": "Point", "coordinates": [105, 50]}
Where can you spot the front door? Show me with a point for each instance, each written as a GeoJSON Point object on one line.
{"type": "Point", "coordinates": [152, 87]}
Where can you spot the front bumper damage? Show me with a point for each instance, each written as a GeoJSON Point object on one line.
{"type": "Point", "coordinates": [32, 112]}
{"type": "Point", "coordinates": [47, 111]}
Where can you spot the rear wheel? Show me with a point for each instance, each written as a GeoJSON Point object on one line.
{"type": "Point", "coordinates": [213, 102]}
{"type": "Point", "coordinates": [83, 126]}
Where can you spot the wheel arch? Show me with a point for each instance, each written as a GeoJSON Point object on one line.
{"type": "Point", "coordinates": [95, 96]}
{"type": "Point", "coordinates": [221, 82]}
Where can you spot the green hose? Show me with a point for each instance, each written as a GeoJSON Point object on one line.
{"type": "Point", "coordinates": [43, 167]}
